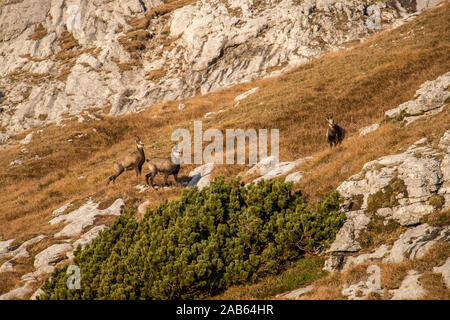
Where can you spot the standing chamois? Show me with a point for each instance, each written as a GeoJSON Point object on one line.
{"type": "Point", "coordinates": [335, 133]}
{"type": "Point", "coordinates": [168, 166]}
{"type": "Point", "coordinates": [134, 160]}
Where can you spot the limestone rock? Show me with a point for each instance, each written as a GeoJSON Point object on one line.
{"type": "Point", "coordinates": [18, 293]}
{"type": "Point", "coordinates": [214, 44]}
{"type": "Point", "coordinates": [200, 176]}
{"type": "Point", "coordinates": [14, 253]}
{"type": "Point", "coordinates": [366, 130]}
{"type": "Point", "coordinates": [445, 271]}
{"type": "Point", "coordinates": [345, 240]}
{"type": "Point", "coordinates": [267, 168]}
{"type": "Point", "coordinates": [143, 207]}
{"type": "Point", "coordinates": [84, 217]}
{"type": "Point", "coordinates": [61, 210]}
{"type": "Point", "coordinates": [36, 294]}
{"type": "Point", "coordinates": [45, 260]}
{"type": "Point", "coordinates": [376, 255]}
{"type": "Point", "coordinates": [410, 215]}
{"type": "Point", "coordinates": [415, 242]}
{"type": "Point", "coordinates": [295, 294]}
{"type": "Point", "coordinates": [6, 267]}
{"type": "Point", "coordinates": [410, 287]}
{"type": "Point", "coordinates": [87, 238]}
{"type": "Point", "coordinates": [294, 177]}
{"type": "Point", "coordinates": [429, 99]}
{"type": "Point", "coordinates": [362, 289]}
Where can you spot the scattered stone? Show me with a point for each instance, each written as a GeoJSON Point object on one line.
{"type": "Point", "coordinates": [428, 100]}
{"type": "Point", "coordinates": [61, 210]}
{"type": "Point", "coordinates": [141, 188]}
{"type": "Point", "coordinates": [366, 130]}
{"type": "Point", "coordinates": [14, 253]}
{"type": "Point", "coordinates": [268, 169]}
{"type": "Point", "coordinates": [27, 139]}
{"type": "Point", "coordinates": [143, 207]}
{"type": "Point", "coordinates": [410, 289]}
{"type": "Point", "coordinates": [200, 176]}
{"type": "Point", "coordinates": [36, 294]}
{"type": "Point", "coordinates": [415, 242]}
{"type": "Point", "coordinates": [374, 256]}
{"type": "Point", "coordinates": [362, 289]}
{"type": "Point", "coordinates": [16, 163]}
{"type": "Point", "coordinates": [295, 177]}
{"type": "Point", "coordinates": [345, 240]}
{"type": "Point", "coordinates": [295, 294]}
{"type": "Point", "coordinates": [84, 217]}
{"type": "Point", "coordinates": [87, 238]}
{"type": "Point", "coordinates": [181, 106]}
{"type": "Point", "coordinates": [445, 271]}
{"type": "Point", "coordinates": [18, 293]}
{"type": "Point", "coordinates": [45, 260]}
{"type": "Point", "coordinates": [245, 94]}
{"type": "Point", "coordinates": [6, 267]}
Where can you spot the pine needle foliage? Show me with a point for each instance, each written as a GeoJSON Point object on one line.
{"type": "Point", "coordinates": [199, 245]}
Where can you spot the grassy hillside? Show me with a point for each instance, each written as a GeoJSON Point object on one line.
{"type": "Point", "coordinates": [357, 85]}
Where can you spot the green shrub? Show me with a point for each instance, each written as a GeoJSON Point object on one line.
{"type": "Point", "coordinates": [199, 245]}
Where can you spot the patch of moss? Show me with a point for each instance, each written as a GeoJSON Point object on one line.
{"type": "Point", "coordinates": [437, 201]}
{"type": "Point", "coordinates": [377, 233]}
{"type": "Point", "coordinates": [438, 219]}
{"type": "Point", "coordinates": [356, 202]}
{"type": "Point", "coordinates": [387, 197]}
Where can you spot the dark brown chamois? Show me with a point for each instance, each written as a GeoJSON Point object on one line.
{"type": "Point", "coordinates": [167, 166]}
{"type": "Point", "coordinates": [335, 133]}
{"type": "Point", "coordinates": [134, 160]}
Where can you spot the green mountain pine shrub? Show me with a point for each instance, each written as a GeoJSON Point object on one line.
{"type": "Point", "coordinates": [199, 245]}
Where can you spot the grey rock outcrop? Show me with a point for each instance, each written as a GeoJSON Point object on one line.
{"type": "Point", "coordinates": [410, 288]}
{"type": "Point", "coordinates": [422, 172]}
{"type": "Point", "coordinates": [445, 271]}
{"type": "Point", "coordinates": [201, 176]}
{"type": "Point", "coordinates": [415, 242]}
{"type": "Point", "coordinates": [84, 217]}
{"type": "Point", "coordinates": [428, 100]}
{"type": "Point", "coordinates": [65, 58]}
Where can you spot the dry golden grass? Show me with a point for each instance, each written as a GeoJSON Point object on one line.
{"type": "Point", "coordinates": [358, 89]}
{"type": "Point", "coordinates": [39, 33]}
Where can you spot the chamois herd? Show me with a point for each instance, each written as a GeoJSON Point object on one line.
{"type": "Point", "coordinates": [171, 165]}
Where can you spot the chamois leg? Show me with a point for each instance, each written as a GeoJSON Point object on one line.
{"type": "Point", "coordinates": [166, 176]}
{"type": "Point", "coordinates": [119, 169]}
{"type": "Point", "coordinates": [175, 176]}
{"type": "Point", "coordinates": [149, 179]}
{"type": "Point", "coordinates": [136, 168]}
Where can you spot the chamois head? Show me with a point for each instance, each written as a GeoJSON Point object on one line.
{"type": "Point", "coordinates": [176, 155]}
{"type": "Point", "coordinates": [139, 143]}
{"type": "Point", "coordinates": [330, 120]}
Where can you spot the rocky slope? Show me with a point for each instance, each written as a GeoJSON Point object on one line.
{"type": "Point", "coordinates": [400, 190]}
{"type": "Point", "coordinates": [60, 59]}
{"type": "Point", "coordinates": [396, 192]}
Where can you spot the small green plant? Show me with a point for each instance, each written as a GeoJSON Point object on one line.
{"type": "Point", "coordinates": [437, 201]}
{"type": "Point", "coordinates": [196, 247]}
{"type": "Point", "coordinates": [387, 197]}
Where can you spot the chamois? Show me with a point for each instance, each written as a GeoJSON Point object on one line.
{"type": "Point", "coordinates": [335, 133]}
{"type": "Point", "coordinates": [167, 166]}
{"type": "Point", "coordinates": [134, 160]}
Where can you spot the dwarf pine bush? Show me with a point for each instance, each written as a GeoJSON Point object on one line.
{"type": "Point", "coordinates": [201, 244]}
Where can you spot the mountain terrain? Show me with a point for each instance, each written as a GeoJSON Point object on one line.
{"type": "Point", "coordinates": [74, 97]}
